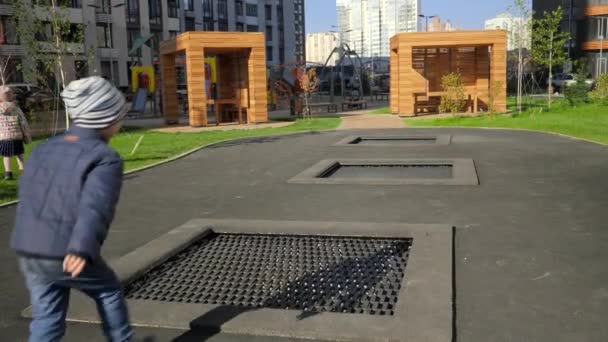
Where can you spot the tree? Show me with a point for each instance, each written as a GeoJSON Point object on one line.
{"type": "Point", "coordinates": [4, 62]}
{"type": "Point", "coordinates": [307, 83]}
{"type": "Point", "coordinates": [520, 34]}
{"type": "Point", "coordinates": [548, 43]}
{"type": "Point", "coordinates": [47, 36]}
{"type": "Point", "coordinates": [8, 36]}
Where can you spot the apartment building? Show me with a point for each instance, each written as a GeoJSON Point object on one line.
{"type": "Point", "coordinates": [587, 23]}
{"type": "Point", "coordinates": [121, 33]}
{"type": "Point", "coordinates": [514, 26]}
{"type": "Point", "coordinates": [320, 45]}
{"type": "Point", "coordinates": [436, 25]}
{"type": "Point", "coordinates": [368, 25]}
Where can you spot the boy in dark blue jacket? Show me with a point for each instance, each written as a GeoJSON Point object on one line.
{"type": "Point", "coordinates": [68, 195]}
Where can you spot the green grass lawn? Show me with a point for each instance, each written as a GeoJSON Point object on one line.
{"type": "Point", "coordinates": [588, 121]}
{"type": "Point", "coordinates": [384, 110]}
{"type": "Point", "coordinates": [156, 147]}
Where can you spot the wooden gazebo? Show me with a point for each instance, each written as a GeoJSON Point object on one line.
{"type": "Point", "coordinates": [419, 60]}
{"type": "Point", "coordinates": [241, 76]}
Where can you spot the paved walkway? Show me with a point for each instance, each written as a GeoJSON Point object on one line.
{"type": "Point", "coordinates": [371, 121]}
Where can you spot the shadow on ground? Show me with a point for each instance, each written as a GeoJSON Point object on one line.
{"type": "Point", "coordinates": [330, 289]}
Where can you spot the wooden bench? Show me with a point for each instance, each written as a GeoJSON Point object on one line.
{"type": "Point", "coordinates": [331, 107]}
{"type": "Point", "coordinates": [424, 103]}
{"type": "Point", "coordinates": [360, 104]}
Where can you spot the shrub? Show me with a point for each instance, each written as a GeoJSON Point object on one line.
{"type": "Point", "coordinates": [454, 99]}
{"type": "Point", "coordinates": [600, 94]}
{"type": "Point", "coordinates": [578, 92]}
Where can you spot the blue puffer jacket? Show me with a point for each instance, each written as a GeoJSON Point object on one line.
{"type": "Point", "coordinates": [67, 195]}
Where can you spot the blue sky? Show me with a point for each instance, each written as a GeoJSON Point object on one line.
{"type": "Point", "coordinates": [465, 14]}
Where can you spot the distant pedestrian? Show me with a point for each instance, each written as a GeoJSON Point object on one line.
{"type": "Point", "coordinates": [68, 195]}
{"type": "Point", "coordinates": [14, 131]}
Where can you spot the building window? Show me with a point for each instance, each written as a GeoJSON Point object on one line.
{"type": "Point", "coordinates": [251, 10]}
{"type": "Point", "coordinates": [9, 31]}
{"type": "Point", "coordinates": [282, 55]}
{"type": "Point", "coordinates": [155, 44]}
{"type": "Point", "coordinates": [268, 33]}
{"type": "Point", "coordinates": [105, 69]}
{"type": "Point", "coordinates": [238, 7]}
{"type": "Point", "coordinates": [268, 10]}
{"type": "Point", "coordinates": [82, 68]}
{"type": "Point", "coordinates": [208, 25]}
{"type": "Point", "coordinates": [103, 6]}
{"type": "Point", "coordinates": [190, 24]}
{"type": "Point", "coordinates": [155, 12]}
{"type": "Point", "coordinates": [207, 9]}
{"type": "Point", "coordinates": [13, 71]}
{"type": "Point", "coordinates": [188, 5]}
{"type": "Point", "coordinates": [240, 27]}
{"type": "Point", "coordinates": [173, 34]}
{"type": "Point", "coordinates": [133, 11]}
{"type": "Point", "coordinates": [222, 15]}
{"type": "Point", "coordinates": [47, 3]}
{"type": "Point", "coordinates": [133, 34]}
{"type": "Point", "coordinates": [269, 53]}
{"type": "Point", "coordinates": [222, 9]}
{"type": "Point", "coordinates": [173, 8]}
{"type": "Point", "coordinates": [252, 28]}
{"type": "Point", "coordinates": [280, 16]}
{"type": "Point", "coordinates": [72, 35]}
{"type": "Point", "coordinates": [44, 33]}
{"type": "Point", "coordinates": [222, 26]}
{"type": "Point", "coordinates": [104, 35]}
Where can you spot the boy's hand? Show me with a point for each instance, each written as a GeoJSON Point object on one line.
{"type": "Point", "coordinates": [74, 264]}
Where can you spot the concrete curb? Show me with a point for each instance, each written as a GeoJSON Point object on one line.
{"type": "Point", "coordinates": [424, 310]}
{"type": "Point", "coordinates": [513, 129]}
{"type": "Point", "coordinates": [194, 150]}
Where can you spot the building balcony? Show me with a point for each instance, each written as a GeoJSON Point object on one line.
{"type": "Point", "coordinates": [6, 10]}
{"type": "Point", "coordinates": [107, 53]}
{"type": "Point", "coordinates": [70, 48]}
{"type": "Point", "coordinates": [12, 50]}
{"type": "Point", "coordinates": [592, 11]}
{"type": "Point", "coordinates": [594, 45]}
{"type": "Point", "coordinates": [103, 17]}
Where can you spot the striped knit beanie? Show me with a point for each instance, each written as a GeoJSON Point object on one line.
{"type": "Point", "coordinates": [93, 102]}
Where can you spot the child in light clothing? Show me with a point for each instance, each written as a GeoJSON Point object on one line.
{"type": "Point", "coordinates": [14, 131]}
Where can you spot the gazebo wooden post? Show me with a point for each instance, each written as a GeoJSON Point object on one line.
{"type": "Point", "coordinates": [394, 76]}
{"type": "Point", "coordinates": [258, 99]}
{"type": "Point", "coordinates": [197, 99]}
{"type": "Point", "coordinates": [498, 72]}
{"type": "Point", "coordinates": [169, 89]}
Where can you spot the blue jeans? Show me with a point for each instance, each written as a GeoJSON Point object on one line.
{"type": "Point", "coordinates": [50, 288]}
